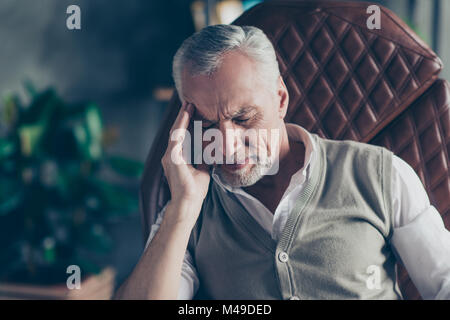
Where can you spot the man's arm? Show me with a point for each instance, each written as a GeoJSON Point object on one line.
{"type": "Point", "coordinates": [189, 277]}
{"type": "Point", "coordinates": [419, 237]}
{"type": "Point", "coordinates": [158, 272]}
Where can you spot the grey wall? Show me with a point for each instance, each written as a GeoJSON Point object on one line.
{"type": "Point", "coordinates": [122, 52]}
{"type": "Point", "coordinates": [444, 53]}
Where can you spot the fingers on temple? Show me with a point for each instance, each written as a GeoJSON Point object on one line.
{"type": "Point", "coordinates": [181, 123]}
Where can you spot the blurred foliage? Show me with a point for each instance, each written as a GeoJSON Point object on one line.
{"type": "Point", "coordinates": [54, 204]}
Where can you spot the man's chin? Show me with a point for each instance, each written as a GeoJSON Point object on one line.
{"type": "Point", "coordinates": [245, 176]}
{"type": "Point", "coordinates": [236, 169]}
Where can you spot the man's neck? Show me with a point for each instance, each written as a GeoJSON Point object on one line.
{"type": "Point", "coordinates": [270, 189]}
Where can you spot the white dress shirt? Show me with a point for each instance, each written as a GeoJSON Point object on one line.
{"type": "Point", "coordinates": [419, 238]}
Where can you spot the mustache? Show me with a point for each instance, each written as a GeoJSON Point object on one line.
{"type": "Point", "coordinates": [250, 154]}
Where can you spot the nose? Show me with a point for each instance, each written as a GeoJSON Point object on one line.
{"type": "Point", "coordinates": [232, 140]}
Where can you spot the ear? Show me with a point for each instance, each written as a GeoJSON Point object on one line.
{"type": "Point", "coordinates": [283, 96]}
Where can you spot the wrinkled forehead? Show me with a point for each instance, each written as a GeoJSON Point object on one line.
{"type": "Point", "coordinates": [235, 83]}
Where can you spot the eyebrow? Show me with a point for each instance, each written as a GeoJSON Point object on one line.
{"type": "Point", "coordinates": [242, 110]}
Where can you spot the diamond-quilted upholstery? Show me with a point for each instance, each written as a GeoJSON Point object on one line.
{"type": "Point", "coordinates": [345, 82]}
{"type": "Point", "coordinates": [421, 136]}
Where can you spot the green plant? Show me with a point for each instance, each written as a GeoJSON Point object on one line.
{"type": "Point", "coordinates": [55, 201]}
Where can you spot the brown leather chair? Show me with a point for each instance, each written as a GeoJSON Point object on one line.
{"type": "Point", "coordinates": [347, 82]}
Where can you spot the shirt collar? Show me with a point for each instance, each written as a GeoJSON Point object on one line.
{"type": "Point", "coordinates": [296, 133]}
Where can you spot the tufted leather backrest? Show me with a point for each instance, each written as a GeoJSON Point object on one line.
{"type": "Point", "coordinates": [421, 137]}
{"type": "Point", "coordinates": [346, 82]}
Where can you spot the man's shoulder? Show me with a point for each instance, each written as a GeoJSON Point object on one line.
{"type": "Point", "coordinates": [362, 157]}
{"type": "Point", "coordinates": [350, 147]}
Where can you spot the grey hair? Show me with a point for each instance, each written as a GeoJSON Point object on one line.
{"type": "Point", "coordinates": [203, 52]}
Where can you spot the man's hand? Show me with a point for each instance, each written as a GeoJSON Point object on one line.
{"type": "Point", "coordinates": [186, 183]}
{"type": "Point", "coordinates": [158, 273]}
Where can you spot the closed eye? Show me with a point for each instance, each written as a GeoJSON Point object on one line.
{"type": "Point", "coordinates": [241, 120]}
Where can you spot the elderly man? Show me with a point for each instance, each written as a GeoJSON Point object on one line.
{"type": "Point", "coordinates": [329, 223]}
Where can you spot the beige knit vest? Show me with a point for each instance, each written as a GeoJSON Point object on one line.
{"type": "Point", "coordinates": [335, 244]}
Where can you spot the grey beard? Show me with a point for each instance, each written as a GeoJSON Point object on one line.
{"type": "Point", "coordinates": [245, 177]}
